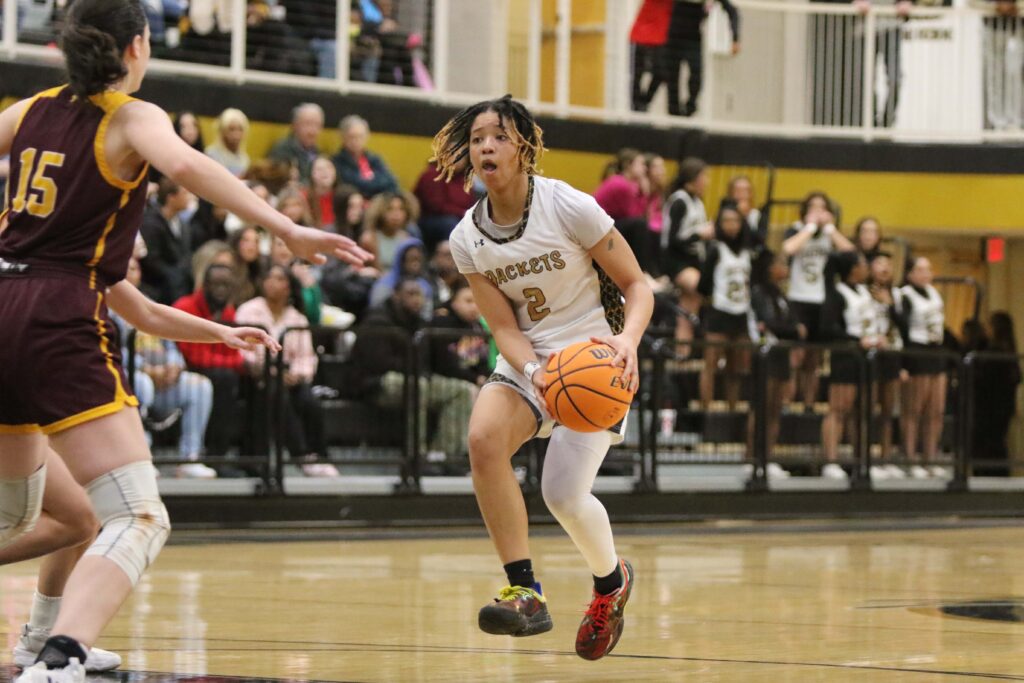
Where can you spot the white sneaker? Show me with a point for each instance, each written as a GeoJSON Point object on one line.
{"type": "Point", "coordinates": [33, 639]}
{"type": "Point", "coordinates": [918, 472]}
{"type": "Point", "coordinates": [38, 673]}
{"type": "Point", "coordinates": [895, 472]}
{"type": "Point", "coordinates": [939, 471]}
{"type": "Point", "coordinates": [775, 471]}
{"type": "Point", "coordinates": [880, 473]}
{"type": "Point", "coordinates": [320, 469]}
{"type": "Point", "coordinates": [834, 471]}
{"type": "Point", "coordinates": [196, 470]}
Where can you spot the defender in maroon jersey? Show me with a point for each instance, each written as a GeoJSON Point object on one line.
{"type": "Point", "coordinates": [79, 154]}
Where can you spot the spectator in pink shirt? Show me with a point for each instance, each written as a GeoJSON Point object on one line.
{"type": "Point", "coordinates": [625, 197]}
{"type": "Point", "coordinates": [275, 311]}
{"type": "Point", "coordinates": [657, 178]}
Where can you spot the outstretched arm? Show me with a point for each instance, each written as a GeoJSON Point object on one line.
{"type": "Point", "coordinates": [170, 323]}
{"type": "Point", "coordinates": [150, 134]}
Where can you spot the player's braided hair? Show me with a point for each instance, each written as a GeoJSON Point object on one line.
{"type": "Point", "coordinates": [451, 144]}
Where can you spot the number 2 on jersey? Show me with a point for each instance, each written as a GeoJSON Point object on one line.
{"type": "Point", "coordinates": [537, 300]}
{"type": "Point", "coordinates": [39, 205]}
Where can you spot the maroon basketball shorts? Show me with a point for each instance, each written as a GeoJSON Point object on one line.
{"type": "Point", "coordinates": [60, 358]}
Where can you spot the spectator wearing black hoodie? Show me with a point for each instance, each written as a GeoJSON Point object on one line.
{"type": "Point", "coordinates": [467, 356]}
{"type": "Point", "coordinates": [996, 398]}
{"type": "Point", "coordinates": [775, 321]}
{"type": "Point", "coordinates": [383, 344]}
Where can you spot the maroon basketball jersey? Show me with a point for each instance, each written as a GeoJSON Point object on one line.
{"type": "Point", "coordinates": [65, 207]}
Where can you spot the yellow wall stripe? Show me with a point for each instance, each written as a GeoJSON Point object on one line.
{"type": "Point", "coordinates": [957, 202]}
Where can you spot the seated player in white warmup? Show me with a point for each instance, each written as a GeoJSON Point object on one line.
{"type": "Point", "coordinates": [547, 269]}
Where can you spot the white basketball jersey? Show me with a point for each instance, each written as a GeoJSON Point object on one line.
{"type": "Point", "coordinates": [807, 270]}
{"type": "Point", "coordinates": [731, 292]}
{"type": "Point", "coordinates": [696, 217]}
{"type": "Point", "coordinates": [927, 315]}
{"type": "Point", "coordinates": [859, 315]}
{"type": "Point", "coordinates": [558, 293]}
{"type": "Point", "coordinates": [883, 323]}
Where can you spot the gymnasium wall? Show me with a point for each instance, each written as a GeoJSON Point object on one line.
{"type": "Point", "coordinates": [944, 197]}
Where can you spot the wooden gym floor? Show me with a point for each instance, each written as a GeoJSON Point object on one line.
{"type": "Point", "coordinates": [779, 604]}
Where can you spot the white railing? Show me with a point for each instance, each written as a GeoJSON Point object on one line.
{"type": "Point", "coordinates": [805, 69]}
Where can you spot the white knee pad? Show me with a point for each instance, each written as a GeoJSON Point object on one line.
{"type": "Point", "coordinates": [21, 502]}
{"type": "Point", "coordinates": [134, 519]}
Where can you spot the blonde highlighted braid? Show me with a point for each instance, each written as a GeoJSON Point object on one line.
{"type": "Point", "coordinates": [451, 144]}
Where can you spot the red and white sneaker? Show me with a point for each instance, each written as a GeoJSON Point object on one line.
{"type": "Point", "coordinates": [602, 625]}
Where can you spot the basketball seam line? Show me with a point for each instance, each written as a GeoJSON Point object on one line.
{"type": "Point", "coordinates": [569, 360]}
{"type": "Point", "coordinates": [595, 391]}
{"type": "Point", "coordinates": [575, 407]}
{"type": "Point", "coordinates": [562, 376]}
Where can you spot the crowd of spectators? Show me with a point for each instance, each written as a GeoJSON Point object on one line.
{"type": "Point", "coordinates": [208, 262]}
{"type": "Point", "coordinates": [717, 279]}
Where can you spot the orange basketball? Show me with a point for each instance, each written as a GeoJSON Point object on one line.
{"type": "Point", "coordinates": [584, 391]}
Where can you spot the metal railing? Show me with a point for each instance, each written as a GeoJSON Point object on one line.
{"type": "Point", "coordinates": [728, 419]}
{"type": "Point", "coordinates": [805, 68]}
{"type": "Point", "coordinates": [219, 415]}
{"type": "Point", "coordinates": [761, 430]}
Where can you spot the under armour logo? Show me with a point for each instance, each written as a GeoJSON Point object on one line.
{"type": "Point", "coordinates": [478, 243]}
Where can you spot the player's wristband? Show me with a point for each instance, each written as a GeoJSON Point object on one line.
{"type": "Point", "coordinates": [810, 227]}
{"type": "Point", "coordinates": [829, 229]}
{"type": "Point", "coordinates": [529, 368]}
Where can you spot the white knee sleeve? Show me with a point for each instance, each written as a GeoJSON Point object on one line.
{"type": "Point", "coordinates": [570, 467]}
{"type": "Point", "coordinates": [21, 502]}
{"type": "Point", "coordinates": [134, 519]}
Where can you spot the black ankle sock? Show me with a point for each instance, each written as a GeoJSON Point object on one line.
{"type": "Point", "coordinates": [520, 573]}
{"type": "Point", "coordinates": [58, 651]}
{"type": "Point", "coordinates": [609, 584]}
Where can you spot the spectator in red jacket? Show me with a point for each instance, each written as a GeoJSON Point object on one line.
{"type": "Point", "coordinates": [219, 362]}
{"type": "Point", "coordinates": [650, 32]}
{"type": "Point", "coordinates": [442, 205]}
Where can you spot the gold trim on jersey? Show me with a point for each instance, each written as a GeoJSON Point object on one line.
{"type": "Point", "coordinates": [110, 102]}
{"type": "Point", "coordinates": [46, 94]}
{"type": "Point", "coordinates": [101, 243]}
{"type": "Point", "coordinates": [120, 395]}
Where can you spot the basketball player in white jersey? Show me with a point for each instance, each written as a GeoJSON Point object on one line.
{"type": "Point", "coordinates": [925, 399]}
{"type": "Point", "coordinates": [847, 317]}
{"type": "Point", "coordinates": [547, 269]}
{"type": "Point", "coordinates": [725, 281]}
{"type": "Point", "coordinates": [808, 243]}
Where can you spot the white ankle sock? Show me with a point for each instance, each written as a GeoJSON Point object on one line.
{"type": "Point", "coordinates": [44, 611]}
